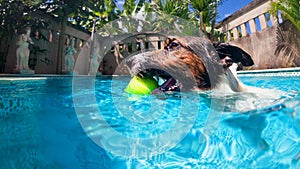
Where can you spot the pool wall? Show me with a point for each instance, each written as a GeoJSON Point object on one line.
{"type": "Point", "coordinates": [271, 72]}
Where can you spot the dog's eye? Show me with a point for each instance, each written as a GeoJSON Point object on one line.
{"type": "Point", "coordinates": [173, 45]}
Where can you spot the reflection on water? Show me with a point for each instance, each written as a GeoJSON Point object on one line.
{"type": "Point", "coordinates": [39, 127]}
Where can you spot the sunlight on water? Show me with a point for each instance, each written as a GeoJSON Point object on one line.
{"type": "Point", "coordinates": [42, 128]}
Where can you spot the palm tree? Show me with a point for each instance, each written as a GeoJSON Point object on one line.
{"type": "Point", "coordinates": [177, 8]}
{"type": "Point", "coordinates": [202, 10]}
{"type": "Point", "coordinates": [286, 42]}
{"type": "Point", "coordinates": [206, 13]}
{"type": "Point", "coordinates": [81, 13]}
{"type": "Point", "coordinates": [15, 15]}
{"type": "Point", "coordinates": [290, 10]}
{"type": "Point", "coordinates": [94, 13]}
{"type": "Point", "coordinates": [131, 7]}
{"type": "Point", "coordinates": [173, 17]}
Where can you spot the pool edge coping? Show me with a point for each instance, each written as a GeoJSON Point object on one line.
{"type": "Point", "coordinates": [295, 71]}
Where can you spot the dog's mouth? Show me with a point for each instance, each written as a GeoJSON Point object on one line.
{"type": "Point", "coordinates": [167, 83]}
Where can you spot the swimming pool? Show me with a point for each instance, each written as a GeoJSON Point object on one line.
{"type": "Point", "coordinates": [87, 122]}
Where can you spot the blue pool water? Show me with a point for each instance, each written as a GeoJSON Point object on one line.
{"type": "Point", "coordinates": [83, 122]}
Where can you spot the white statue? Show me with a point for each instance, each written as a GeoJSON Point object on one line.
{"type": "Point", "coordinates": [23, 50]}
{"type": "Point", "coordinates": [69, 57]}
{"type": "Point", "coordinates": [94, 64]}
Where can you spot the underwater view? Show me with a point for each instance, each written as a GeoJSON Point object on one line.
{"type": "Point", "coordinates": [91, 123]}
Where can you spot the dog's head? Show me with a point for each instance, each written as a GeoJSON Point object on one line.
{"type": "Point", "coordinates": [184, 62]}
{"type": "Point", "coordinates": [229, 54]}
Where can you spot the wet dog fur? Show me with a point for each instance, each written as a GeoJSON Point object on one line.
{"type": "Point", "coordinates": [195, 63]}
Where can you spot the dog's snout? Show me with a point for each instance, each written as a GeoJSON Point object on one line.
{"type": "Point", "coordinates": [226, 62]}
{"type": "Point", "coordinates": [139, 59]}
{"type": "Point", "coordinates": [137, 63]}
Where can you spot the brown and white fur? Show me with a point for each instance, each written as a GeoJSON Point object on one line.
{"type": "Point", "coordinates": [193, 63]}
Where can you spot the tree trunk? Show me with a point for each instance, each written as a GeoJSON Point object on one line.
{"type": "Point", "coordinates": [61, 44]}
{"type": "Point", "coordinates": [200, 24]}
{"type": "Point", "coordinates": [213, 23]}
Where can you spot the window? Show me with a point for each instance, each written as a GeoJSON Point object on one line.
{"type": "Point", "coordinates": [129, 47]}
{"type": "Point", "coordinates": [280, 20]}
{"type": "Point", "coordinates": [239, 29]}
{"type": "Point", "coordinates": [159, 44]}
{"type": "Point", "coordinates": [231, 34]}
{"type": "Point", "coordinates": [268, 18]}
{"type": "Point", "coordinates": [247, 24]}
{"type": "Point", "coordinates": [257, 23]}
{"type": "Point", "coordinates": [146, 45]}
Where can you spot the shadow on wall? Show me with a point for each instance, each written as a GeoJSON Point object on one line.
{"type": "Point", "coordinates": [287, 45]}
{"type": "Point", "coordinates": [273, 47]}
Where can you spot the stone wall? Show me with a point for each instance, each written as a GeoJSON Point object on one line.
{"type": "Point", "coordinates": [262, 45]}
{"type": "Point", "coordinates": [46, 62]}
{"type": "Point", "coordinates": [126, 47]}
{"type": "Point", "coordinates": [113, 49]}
{"type": "Point", "coordinates": [253, 29]}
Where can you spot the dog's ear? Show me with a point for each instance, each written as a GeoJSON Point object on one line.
{"type": "Point", "coordinates": [235, 53]}
{"type": "Point", "coordinates": [204, 49]}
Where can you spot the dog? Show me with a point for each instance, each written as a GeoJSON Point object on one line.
{"type": "Point", "coordinates": [191, 63]}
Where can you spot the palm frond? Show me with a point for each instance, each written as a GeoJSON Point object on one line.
{"type": "Point", "coordinates": [286, 47]}
{"type": "Point", "coordinates": [290, 10]}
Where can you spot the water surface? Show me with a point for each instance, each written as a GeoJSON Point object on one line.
{"type": "Point", "coordinates": [91, 123]}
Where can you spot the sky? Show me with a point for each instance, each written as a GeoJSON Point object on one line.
{"type": "Point", "coordinates": [230, 6]}
{"type": "Point", "coordinates": [227, 8]}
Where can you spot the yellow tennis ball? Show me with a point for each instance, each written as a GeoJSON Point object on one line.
{"type": "Point", "coordinates": [138, 85]}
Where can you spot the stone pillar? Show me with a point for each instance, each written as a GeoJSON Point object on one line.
{"type": "Point", "coordinates": [263, 21]}
{"type": "Point", "coordinates": [228, 34]}
{"type": "Point", "coordinates": [125, 50]}
{"type": "Point", "coordinates": [274, 20]}
{"type": "Point", "coordinates": [143, 45]}
{"type": "Point", "coordinates": [155, 44]}
{"type": "Point", "coordinates": [252, 26]}
{"type": "Point", "coordinates": [133, 46]}
{"type": "Point", "coordinates": [77, 45]}
{"type": "Point", "coordinates": [244, 30]}
{"type": "Point", "coordinates": [235, 33]}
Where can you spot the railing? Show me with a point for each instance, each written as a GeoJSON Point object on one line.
{"type": "Point", "coordinates": [128, 46]}
{"type": "Point", "coordinates": [8, 50]}
{"type": "Point", "coordinates": [255, 30]}
{"type": "Point", "coordinates": [252, 18]}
